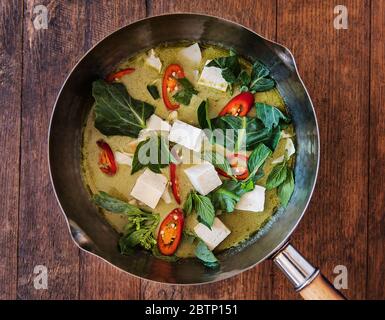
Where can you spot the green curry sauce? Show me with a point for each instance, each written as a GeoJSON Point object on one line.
{"type": "Point", "coordinates": [242, 224]}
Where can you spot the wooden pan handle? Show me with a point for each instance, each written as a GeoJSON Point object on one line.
{"type": "Point", "coordinates": [320, 289]}
{"type": "Point", "coordinates": [306, 279]}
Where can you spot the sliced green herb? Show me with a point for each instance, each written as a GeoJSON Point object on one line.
{"type": "Point", "coordinates": [185, 94]}
{"type": "Point", "coordinates": [116, 112]}
{"type": "Point", "coordinates": [153, 90]}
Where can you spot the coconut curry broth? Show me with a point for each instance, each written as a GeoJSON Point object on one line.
{"type": "Point", "coordinates": [242, 224]}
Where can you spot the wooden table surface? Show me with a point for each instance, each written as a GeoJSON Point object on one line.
{"type": "Point", "coordinates": [344, 71]}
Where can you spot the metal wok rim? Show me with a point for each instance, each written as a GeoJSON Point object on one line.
{"type": "Point", "coordinates": [285, 239]}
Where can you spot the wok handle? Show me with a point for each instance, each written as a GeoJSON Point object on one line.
{"type": "Point", "coordinates": [306, 279]}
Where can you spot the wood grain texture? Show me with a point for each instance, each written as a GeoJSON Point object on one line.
{"type": "Point", "coordinates": [98, 279]}
{"type": "Point", "coordinates": [334, 65]}
{"type": "Point", "coordinates": [10, 109]}
{"type": "Point", "coordinates": [376, 219]}
{"type": "Point", "coordinates": [49, 54]}
{"type": "Point", "coordinates": [255, 283]}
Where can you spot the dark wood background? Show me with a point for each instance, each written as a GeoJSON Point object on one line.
{"type": "Point", "coordinates": [344, 71]}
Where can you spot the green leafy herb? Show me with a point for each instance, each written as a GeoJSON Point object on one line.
{"type": "Point", "coordinates": [226, 197]}
{"type": "Point", "coordinates": [277, 175]}
{"type": "Point", "coordinates": [140, 227]}
{"type": "Point", "coordinates": [116, 112]}
{"type": "Point", "coordinates": [153, 90]}
{"type": "Point", "coordinates": [203, 253]}
{"type": "Point", "coordinates": [152, 153]}
{"type": "Point", "coordinates": [185, 94]}
{"type": "Point", "coordinates": [219, 161]}
{"type": "Point", "coordinates": [269, 115]}
{"type": "Point", "coordinates": [260, 80]}
{"type": "Point", "coordinates": [188, 236]}
{"type": "Point", "coordinates": [285, 190]}
{"type": "Point", "coordinates": [203, 118]}
{"type": "Point", "coordinates": [230, 67]}
{"type": "Point", "coordinates": [202, 206]}
{"type": "Point", "coordinates": [257, 159]}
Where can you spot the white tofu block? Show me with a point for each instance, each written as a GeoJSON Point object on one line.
{"type": "Point", "coordinates": [203, 177]}
{"type": "Point", "coordinates": [212, 237]}
{"type": "Point", "coordinates": [253, 200]}
{"type": "Point", "coordinates": [149, 188]}
{"type": "Point", "coordinates": [153, 61]}
{"type": "Point", "coordinates": [191, 54]}
{"type": "Point", "coordinates": [212, 77]}
{"type": "Point", "coordinates": [186, 135]}
{"type": "Point", "coordinates": [166, 197]}
{"type": "Point", "coordinates": [155, 123]}
{"type": "Point", "coordinates": [289, 147]}
{"type": "Point", "coordinates": [123, 158]}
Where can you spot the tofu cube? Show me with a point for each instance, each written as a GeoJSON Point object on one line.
{"type": "Point", "coordinates": [123, 158]}
{"type": "Point", "coordinates": [289, 147]}
{"type": "Point", "coordinates": [191, 54]}
{"type": "Point", "coordinates": [253, 200]}
{"type": "Point", "coordinates": [212, 237]}
{"type": "Point", "coordinates": [155, 123]}
{"type": "Point", "coordinates": [149, 188]}
{"type": "Point", "coordinates": [186, 135]}
{"type": "Point", "coordinates": [153, 61]}
{"type": "Point", "coordinates": [212, 77]}
{"type": "Point", "coordinates": [203, 177]}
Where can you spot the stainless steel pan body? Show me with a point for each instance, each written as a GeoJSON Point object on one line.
{"type": "Point", "coordinates": [89, 230]}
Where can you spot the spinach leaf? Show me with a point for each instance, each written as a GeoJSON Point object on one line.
{"type": "Point", "coordinates": [116, 112]}
{"type": "Point", "coordinates": [203, 118]}
{"type": "Point", "coordinates": [269, 115]}
{"type": "Point", "coordinates": [152, 153]}
{"type": "Point", "coordinates": [185, 94]}
{"type": "Point", "coordinates": [153, 90]}
{"type": "Point", "coordinates": [257, 159]}
{"type": "Point", "coordinates": [140, 226]}
{"type": "Point", "coordinates": [259, 78]}
{"type": "Point", "coordinates": [203, 253]}
{"type": "Point", "coordinates": [277, 175]}
{"type": "Point", "coordinates": [285, 190]}
{"type": "Point", "coordinates": [202, 206]}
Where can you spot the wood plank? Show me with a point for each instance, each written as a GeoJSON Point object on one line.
{"type": "Point", "coordinates": [256, 283]}
{"type": "Point", "coordinates": [376, 219]}
{"type": "Point", "coordinates": [98, 279]}
{"type": "Point", "coordinates": [10, 101]}
{"type": "Point", "coordinates": [334, 65]}
{"type": "Point", "coordinates": [49, 54]}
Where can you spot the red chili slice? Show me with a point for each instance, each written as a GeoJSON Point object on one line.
{"type": "Point", "coordinates": [240, 105]}
{"type": "Point", "coordinates": [172, 73]}
{"type": "Point", "coordinates": [170, 232]}
{"type": "Point", "coordinates": [174, 182]}
{"type": "Point", "coordinates": [107, 162]}
{"type": "Point", "coordinates": [117, 75]}
{"type": "Point", "coordinates": [238, 163]}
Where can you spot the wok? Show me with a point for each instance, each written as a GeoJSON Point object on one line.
{"type": "Point", "coordinates": [89, 229]}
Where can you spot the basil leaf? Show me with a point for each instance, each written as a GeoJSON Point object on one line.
{"type": "Point", "coordinates": [269, 115]}
{"type": "Point", "coordinates": [257, 159]}
{"type": "Point", "coordinates": [203, 253]}
{"type": "Point", "coordinates": [203, 118]}
{"type": "Point", "coordinates": [153, 90]}
{"type": "Point", "coordinates": [204, 209]}
{"type": "Point", "coordinates": [230, 67]}
{"type": "Point", "coordinates": [277, 176]}
{"type": "Point", "coordinates": [286, 189]}
{"type": "Point", "coordinates": [188, 205]}
{"type": "Point", "coordinates": [105, 201]}
{"type": "Point", "coordinates": [162, 158]}
{"type": "Point", "coordinates": [116, 112]}
{"type": "Point", "coordinates": [259, 78]}
{"type": "Point", "coordinates": [185, 94]}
